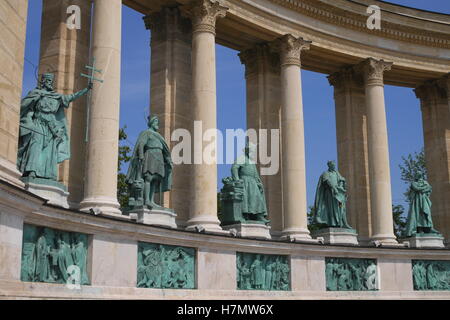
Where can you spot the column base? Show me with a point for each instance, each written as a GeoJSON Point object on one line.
{"type": "Point", "coordinates": [205, 223]}
{"type": "Point", "coordinates": [155, 217]}
{"type": "Point", "coordinates": [10, 174]}
{"type": "Point", "coordinates": [102, 206]}
{"type": "Point", "coordinates": [337, 236]}
{"type": "Point", "coordinates": [249, 230]}
{"type": "Point", "coordinates": [385, 240]}
{"type": "Point", "coordinates": [298, 235]}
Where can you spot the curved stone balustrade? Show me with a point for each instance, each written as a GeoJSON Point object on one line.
{"type": "Point", "coordinates": [113, 249]}
{"type": "Point", "coordinates": [416, 41]}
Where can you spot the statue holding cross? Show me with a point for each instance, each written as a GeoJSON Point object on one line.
{"type": "Point", "coordinates": [43, 138]}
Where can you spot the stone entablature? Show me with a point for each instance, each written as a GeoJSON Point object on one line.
{"type": "Point", "coordinates": [415, 41]}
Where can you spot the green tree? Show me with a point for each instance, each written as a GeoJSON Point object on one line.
{"type": "Point", "coordinates": [124, 157]}
{"type": "Point", "coordinates": [311, 225]}
{"type": "Point", "coordinates": [399, 219]}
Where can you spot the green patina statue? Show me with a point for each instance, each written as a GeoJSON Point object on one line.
{"type": "Point", "coordinates": [343, 274]}
{"type": "Point", "coordinates": [431, 275]}
{"type": "Point", "coordinates": [163, 266]}
{"type": "Point", "coordinates": [262, 272]}
{"type": "Point", "coordinates": [330, 202]}
{"type": "Point", "coordinates": [43, 138]}
{"type": "Point", "coordinates": [150, 169]}
{"type": "Point", "coordinates": [419, 215]}
{"type": "Point", "coordinates": [243, 198]}
{"type": "Point", "coordinates": [54, 256]}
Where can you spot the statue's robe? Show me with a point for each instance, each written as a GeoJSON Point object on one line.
{"type": "Point", "coordinates": [42, 120]}
{"type": "Point", "coordinates": [254, 200]}
{"type": "Point", "coordinates": [80, 259]}
{"type": "Point", "coordinates": [65, 260]}
{"type": "Point", "coordinates": [329, 204]}
{"type": "Point", "coordinates": [419, 214]}
{"type": "Point", "coordinates": [156, 154]}
{"type": "Point", "coordinates": [42, 260]}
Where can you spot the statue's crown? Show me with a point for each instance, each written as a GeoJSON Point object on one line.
{"type": "Point", "coordinates": [50, 76]}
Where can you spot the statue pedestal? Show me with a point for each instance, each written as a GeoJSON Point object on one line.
{"type": "Point", "coordinates": [249, 230]}
{"type": "Point", "coordinates": [54, 192]}
{"type": "Point", "coordinates": [425, 240]}
{"type": "Point", "coordinates": [155, 217]}
{"type": "Point", "coordinates": [337, 236]}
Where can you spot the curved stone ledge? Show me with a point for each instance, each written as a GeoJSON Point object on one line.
{"type": "Point", "coordinates": [112, 265]}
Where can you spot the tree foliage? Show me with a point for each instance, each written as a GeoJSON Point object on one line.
{"type": "Point", "coordinates": [411, 166]}
{"type": "Point", "coordinates": [124, 157]}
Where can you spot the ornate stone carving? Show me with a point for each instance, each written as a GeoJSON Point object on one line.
{"type": "Point", "coordinates": [54, 256]}
{"type": "Point", "coordinates": [163, 266]}
{"type": "Point", "coordinates": [348, 76]}
{"type": "Point", "coordinates": [373, 71]}
{"type": "Point", "coordinates": [342, 17]}
{"type": "Point", "coordinates": [290, 48]}
{"type": "Point", "coordinates": [262, 272]}
{"type": "Point", "coordinates": [344, 274]}
{"type": "Point", "coordinates": [204, 14]}
{"type": "Point", "coordinates": [167, 23]}
{"type": "Point", "coordinates": [431, 275]}
{"type": "Point", "coordinates": [432, 90]}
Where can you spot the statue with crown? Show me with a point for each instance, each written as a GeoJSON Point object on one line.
{"type": "Point", "coordinates": [43, 139]}
{"type": "Point", "coordinates": [150, 174]}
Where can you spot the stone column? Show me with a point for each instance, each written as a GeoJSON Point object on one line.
{"type": "Point", "coordinates": [13, 25]}
{"type": "Point", "coordinates": [434, 97]}
{"type": "Point", "coordinates": [65, 53]}
{"type": "Point", "coordinates": [262, 74]}
{"type": "Point", "coordinates": [101, 168]}
{"type": "Point", "coordinates": [351, 134]}
{"type": "Point", "coordinates": [203, 211]}
{"type": "Point", "coordinates": [379, 171]}
{"type": "Point", "coordinates": [170, 93]}
{"type": "Point", "coordinates": [292, 138]}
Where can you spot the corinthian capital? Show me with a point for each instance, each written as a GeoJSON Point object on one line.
{"type": "Point", "coordinates": [373, 70]}
{"type": "Point", "coordinates": [204, 14]}
{"type": "Point", "coordinates": [290, 49]}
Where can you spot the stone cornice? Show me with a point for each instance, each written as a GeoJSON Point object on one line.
{"type": "Point", "coordinates": [322, 11]}
{"type": "Point", "coordinates": [347, 77]}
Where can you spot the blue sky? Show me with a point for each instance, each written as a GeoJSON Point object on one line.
{"type": "Point", "coordinates": [402, 107]}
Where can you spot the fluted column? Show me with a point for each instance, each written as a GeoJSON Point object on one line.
{"type": "Point", "coordinates": [351, 135]}
{"type": "Point", "coordinates": [203, 13]}
{"type": "Point", "coordinates": [435, 104]}
{"type": "Point", "coordinates": [379, 170]}
{"type": "Point", "coordinates": [292, 138]}
{"type": "Point", "coordinates": [101, 169]}
{"type": "Point", "coordinates": [263, 85]}
{"type": "Point", "coordinates": [67, 64]}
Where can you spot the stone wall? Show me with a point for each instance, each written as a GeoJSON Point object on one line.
{"type": "Point", "coordinates": [13, 17]}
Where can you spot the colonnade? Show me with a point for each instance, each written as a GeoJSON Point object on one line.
{"type": "Point", "coordinates": [189, 35]}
